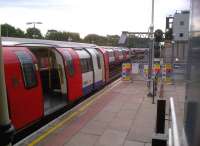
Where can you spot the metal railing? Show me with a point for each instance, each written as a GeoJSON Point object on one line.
{"type": "Point", "coordinates": [173, 131]}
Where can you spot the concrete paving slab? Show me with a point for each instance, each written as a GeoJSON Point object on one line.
{"type": "Point", "coordinates": [126, 114]}
{"type": "Point", "coordinates": [82, 139]}
{"type": "Point", "coordinates": [105, 116]}
{"type": "Point", "coordinates": [112, 138]}
{"type": "Point", "coordinates": [130, 106]}
{"type": "Point", "coordinates": [120, 124]}
{"type": "Point", "coordinates": [95, 127]}
{"type": "Point", "coordinates": [113, 107]}
{"type": "Point", "coordinates": [133, 143]}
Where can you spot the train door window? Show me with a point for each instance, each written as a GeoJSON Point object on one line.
{"type": "Point", "coordinates": [120, 52]}
{"type": "Point", "coordinates": [98, 60]}
{"type": "Point", "coordinates": [124, 52]}
{"type": "Point", "coordinates": [69, 63]}
{"type": "Point", "coordinates": [89, 63]}
{"type": "Point", "coordinates": [111, 54]}
{"type": "Point", "coordinates": [28, 69]}
{"type": "Point", "coordinates": [84, 65]}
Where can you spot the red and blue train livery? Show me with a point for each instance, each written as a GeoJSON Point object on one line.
{"type": "Point", "coordinates": [43, 76]}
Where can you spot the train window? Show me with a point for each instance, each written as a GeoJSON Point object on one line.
{"type": "Point", "coordinates": [83, 66]}
{"type": "Point", "coordinates": [98, 60]}
{"type": "Point", "coordinates": [111, 54]}
{"type": "Point", "coordinates": [28, 69]}
{"type": "Point", "coordinates": [120, 52]}
{"type": "Point", "coordinates": [89, 62]}
{"type": "Point", "coordinates": [124, 52]}
{"type": "Point", "coordinates": [69, 63]}
{"type": "Point", "coordinates": [86, 65]}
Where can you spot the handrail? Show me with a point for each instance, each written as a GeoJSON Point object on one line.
{"type": "Point", "coordinates": [170, 137]}
{"type": "Point", "coordinates": [175, 133]}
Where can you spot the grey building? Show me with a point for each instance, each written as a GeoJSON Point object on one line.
{"type": "Point", "coordinates": [181, 26]}
{"type": "Point", "coordinates": [181, 35]}
{"type": "Point", "coordinates": [175, 51]}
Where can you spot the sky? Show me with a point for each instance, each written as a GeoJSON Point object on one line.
{"type": "Point", "coordinates": [88, 16]}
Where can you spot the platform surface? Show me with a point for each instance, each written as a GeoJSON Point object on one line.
{"type": "Point", "coordinates": [119, 115]}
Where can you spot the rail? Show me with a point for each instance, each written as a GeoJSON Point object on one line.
{"type": "Point", "coordinates": [173, 131]}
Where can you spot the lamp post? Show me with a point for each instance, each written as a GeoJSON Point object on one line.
{"type": "Point", "coordinates": [6, 129]}
{"type": "Point", "coordinates": [33, 23]}
{"type": "Point", "coordinates": [151, 51]}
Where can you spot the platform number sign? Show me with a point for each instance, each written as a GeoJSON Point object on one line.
{"type": "Point", "coordinates": [28, 68]}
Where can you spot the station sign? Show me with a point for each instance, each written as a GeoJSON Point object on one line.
{"type": "Point", "coordinates": [126, 71]}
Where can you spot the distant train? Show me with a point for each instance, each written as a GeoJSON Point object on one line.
{"type": "Point", "coordinates": [43, 76]}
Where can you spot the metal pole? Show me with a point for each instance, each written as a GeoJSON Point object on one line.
{"type": "Point", "coordinates": [151, 50]}
{"type": "Point", "coordinates": [152, 32]}
{"type": "Point", "coordinates": [172, 55]}
{"type": "Point", "coordinates": [172, 60]}
{"type": "Point", "coordinates": [4, 114]}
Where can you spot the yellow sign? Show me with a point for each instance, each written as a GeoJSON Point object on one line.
{"type": "Point", "coordinates": [126, 71]}
{"type": "Point", "coordinates": [168, 66]}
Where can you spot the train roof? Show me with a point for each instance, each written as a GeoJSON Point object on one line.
{"type": "Point", "coordinates": [11, 41]}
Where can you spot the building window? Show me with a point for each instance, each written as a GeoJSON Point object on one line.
{"type": "Point", "coordinates": [69, 63]}
{"type": "Point", "coordinates": [181, 35]}
{"type": "Point", "coordinates": [28, 69]}
{"type": "Point", "coordinates": [181, 23]}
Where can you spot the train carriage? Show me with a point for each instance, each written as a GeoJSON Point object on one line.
{"type": "Point", "coordinates": [23, 86]}
{"type": "Point", "coordinates": [121, 57]}
{"type": "Point", "coordinates": [86, 70]}
{"type": "Point", "coordinates": [104, 59]}
{"type": "Point", "coordinates": [73, 73]}
{"type": "Point", "coordinates": [111, 55]}
{"type": "Point", "coordinates": [126, 54]}
{"type": "Point", "coordinates": [43, 76]}
{"type": "Point", "coordinates": [97, 67]}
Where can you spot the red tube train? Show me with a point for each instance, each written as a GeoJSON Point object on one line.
{"type": "Point", "coordinates": [43, 76]}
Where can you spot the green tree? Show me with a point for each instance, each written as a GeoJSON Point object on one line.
{"type": "Point", "coordinates": [33, 33]}
{"type": "Point", "coordinates": [168, 34]}
{"type": "Point", "coordinates": [62, 36]}
{"type": "Point", "coordinates": [112, 40]}
{"type": "Point", "coordinates": [158, 35]}
{"type": "Point", "coordinates": [157, 46]}
{"type": "Point", "coordinates": [20, 33]}
{"type": "Point", "coordinates": [137, 42]}
{"type": "Point", "coordinates": [53, 35]}
{"type": "Point", "coordinates": [8, 30]}
{"type": "Point", "coordinates": [95, 39]}
{"type": "Point", "coordinates": [75, 37]}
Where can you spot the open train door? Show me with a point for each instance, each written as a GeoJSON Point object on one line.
{"type": "Point", "coordinates": [106, 63]}
{"type": "Point", "coordinates": [73, 73]}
